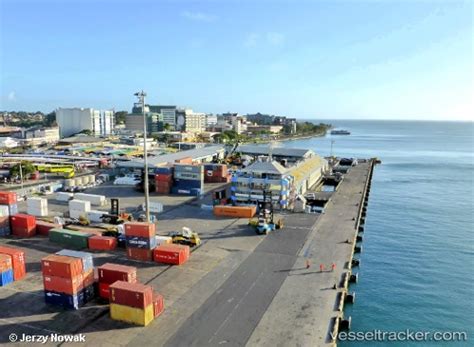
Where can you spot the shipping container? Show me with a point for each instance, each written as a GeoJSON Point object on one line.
{"type": "Point", "coordinates": [185, 248]}
{"type": "Point", "coordinates": [5, 262]}
{"type": "Point", "coordinates": [70, 238]}
{"type": "Point", "coordinates": [131, 294]}
{"type": "Point", "coordinates": [4, 211]}
{"type": "Point", "coordinates": [23, 225]}
{"type": "Point", "coordinates": [141, 254]}
{"type": "Point", "coordinates": [185, 160]}
{"type": "Point", "coordinates": [104, 290]}
{"type": "Point", "coordinates": [163, 240]}
{"type": "Point", "coordinates": [140, 229]}
{"type": "Point", "coordinates": [88, 278]}
{"type": "Point", "coordinates": [18, 261]}
{"type": "Point", "coordinates": [12, 209]}
{"type": "Point", "coordinates": [5, 226]}
{"type": "Point", "coordinates": [235, 211]}
{"type": "Point", "coordinates": [70, 285]}
{"type": "Point", "coordinates": [103, 243]}
{"type": "Point", "coordinates": [8, 198]}
{"type": "Point", "coordinates": [73, 302]}
{"type": "Point", "coordinates": [158, 304]}
{"type": "Point", "coordinates": [86, 258]}
{"type": "Point", "coordinates": [79, 205]}
{"type": "Point", "coordinates": [109, 273]}
{"type": "Point", "coordinates": [140, 242]}
{"type": "Point", "coordinates": [61, 266]}
{"type": "Point", "coordinates": [169, 254]}
{"type": "Point", "coordinates": [6, 277]}
{"type": "Point", "coordinates": [164, 170]}
{"type": "Point", "coordinates": [96, 200]}
{"type": "Point", "coordinates": [131, 314]}
{"type": "Point", "coordinates": [43, 228]}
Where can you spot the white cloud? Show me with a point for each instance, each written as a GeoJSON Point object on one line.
{"type": "Point", "coordinates": [251, 40]}
{"type": "Point", "coordinates": [11, 96]}
{"type": "Point", "coordinates": [275, 39]}
{"type": "Point", "coordinates": [198, 16]}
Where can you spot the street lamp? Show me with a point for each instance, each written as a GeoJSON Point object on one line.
{"type": "Point", "coordinates": [141, 97]}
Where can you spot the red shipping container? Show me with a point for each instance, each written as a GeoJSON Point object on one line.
{"type": "Point", "coordinates": [61, 266]}
{"type": "Point", "coordinates": [104, 243]}
{"type": "Point", "coordinates": [142, 254]}
{"type": "Point", "coordinates": [23, 225]}
{"type": "Point", "coordinates": [110, 273]}
{"type": "Point", "coordinates": [140, 229]}
{"type": "Point", "coordinates": [164, 178]}
{"type": "Point", "coordinates": [131, 294]}
{"type": "Point", "coordinates": [8, 198]}
{"type": "Point", "coordinates": [43, 228]}
{"type": "Point", "coordinates": [158, 304]}
{"type": "Point", "coordinates": [104, 290]}
{"type": "Point", "coordinates": [18, 261]}
{"type": "Point", "coordinates": [187, 249]}
{"type": "Point", "coordinates": [71, 285]}
{"type": "Point", "coordinates": [5, 262]}
{"type": "Point", "coordinates": [169, 254]}
{"type": "Point", "coordinates": [88, 278]}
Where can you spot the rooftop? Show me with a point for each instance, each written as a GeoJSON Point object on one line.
{"type": "Point", "coordinates": [266, 167]}
{"type": "Point", "coordinates": [279, 151]}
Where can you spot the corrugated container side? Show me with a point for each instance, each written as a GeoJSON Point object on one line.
{"type": "Point", "coordinates": [132, 315]}
{"type": "Point", "coordinates": [158, 304]}
{"type": "Point", "coordinates": [109, 273]}
{"type": "Point", "coordinates": [5, 262]}
{"type": "Point", "coordinates": [6, 277]}
{"type": "Point", "coordinates": [141, 254]}
{"type": "Point", "coordinates": [140, 229]}
{"type": "Point", "coordinates": [61, 266]}
{"type": "Point", "coordinates": [131, 294]}
{"type": "Point", "coordinates": [18, 261]}
{"type": "Point", "coordinates": [86, 258]}
{"type": "Point", "coordinates": [71, 285]}
{"type": "Point", "coordinates": [104, 243]}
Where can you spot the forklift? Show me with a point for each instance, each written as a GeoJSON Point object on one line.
{"type": "Point", "coordinates": [265, 222]}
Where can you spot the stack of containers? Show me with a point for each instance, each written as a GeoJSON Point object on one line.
{"type": "Point", "coordinates": [37, 207]}
{"type": "Point", "coordinates": [131, 303]}
{"type": "Point", "coordinates": [111, 273]}
{"type": "Point", "coordinates": [9, 199]}
{"type": "Point", "coordinates": [23, 225]}
{"type": "Point", "coordinates": [87, 260]}
{"type": "Point", "coordinates": [216, 173]}
{"type": "Point", "coordinates": [171, 254]}
{"type": "Point", "coordinates": [4, 221]}
{"type": "Point", "coordinates": [78, 208]}
{"type": "Point", "coordinates": [18, 261]}
{"type": "Point", "coordinates": [69, 238]}
{"type": "Point", "coordinates": [63, 281]}
{"type": "Point", "coordinates": [140, 240]}
{"type": "Point", "coordinates": [164, 179]}
{"type": "Point", "coordinates": [188, 180]}
{"type": "Point", "coordinates": [6, 270]}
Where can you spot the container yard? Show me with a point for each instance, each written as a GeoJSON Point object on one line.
{"type": "Point", "coordinates": [91, 267]}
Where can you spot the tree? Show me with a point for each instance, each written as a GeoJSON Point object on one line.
{"type": "Point", "coordinates": [166, 127]}
{"type": "Point", "coordinates": [26, 169]}
{"type": "Point", "coordinates": [50, 119]}
{"type": "Point", "coordinates": [120, 117]}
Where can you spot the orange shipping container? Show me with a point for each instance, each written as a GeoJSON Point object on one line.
{"type": "Point", "coordinates": [8, 198]}
{"type": "Point", "coordinates": [61, 266]}
{"type": "Point", "coordinates": [104, 243]}
{"type": "Point", "coordinates": [88, 278]}
{"type": "Point", "coordinates": [69, 286]}
{"type": "Point", "coordinates": [185, 160]}
{"type": "Point", "coordinates": [235, 211]}
{"type": "Point", "coordinates": [18, 261]}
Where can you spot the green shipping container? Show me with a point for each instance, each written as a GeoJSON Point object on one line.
{"type": "Point", "coordinates": [70, 238]}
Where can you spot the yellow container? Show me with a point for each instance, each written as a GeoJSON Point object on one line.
{"type": "Point", "coordinates": [132, 314]}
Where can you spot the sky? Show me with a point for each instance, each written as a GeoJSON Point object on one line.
{"type": "Point", "coordinates": [305, 59]}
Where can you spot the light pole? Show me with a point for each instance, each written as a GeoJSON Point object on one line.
{"type": "Point", "coordinates": [141, 97]}
{"type": "Point", "coordinates": [332, 143]}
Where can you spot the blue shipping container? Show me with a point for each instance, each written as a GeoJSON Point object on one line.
{"type": "Point", "coordinates": [5, 231]}
{"type": "Point", "coordinates": [87, 259]}
{"type": "Point", "coordinates": [72, 302]}
{"type": "Point", "coordinates": [141, 242]}
{"type": "Point", "coordinates": [164, 170]}
{"type": "Point", "coordinates": [12, 209]}
{"type": "Point", "coordinates": [189, 168]}
{"type": "Point", "coordinates": [188, 184]}
{"type": "Point", "coordinates": [6, 277]}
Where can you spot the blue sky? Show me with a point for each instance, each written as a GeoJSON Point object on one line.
{"type": "Point", "coordinates": [307, 59]}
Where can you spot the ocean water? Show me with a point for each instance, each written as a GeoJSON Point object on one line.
{"type": "Point", "coordinates": [417, 265]}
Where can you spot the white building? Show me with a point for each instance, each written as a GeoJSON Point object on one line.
{"type": "Point", "coordinates": [194, 122]}
{"type": "Point", "coordinates": [74, 120]}
{"type": "Point", "coordinates": [8, 142]}
{"type": "Point", "coordinates": [211, 120]}
{"type": "Point", "coordinates": [39, 136]}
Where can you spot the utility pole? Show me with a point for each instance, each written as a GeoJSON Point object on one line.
{"type": "Point", "coordinates": [332, 143]}
{"type": "Point", "coordinates": [21, 177]}
{"type": "Point", "coordinates": [141, 97]}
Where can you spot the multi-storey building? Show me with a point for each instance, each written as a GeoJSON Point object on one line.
{"type": "Point", "coordinates": [74, 120]}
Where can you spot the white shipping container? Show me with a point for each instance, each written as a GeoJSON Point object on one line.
{"type": "Point", "coordinates": [63, 196]}
{"type": "Point", "coordinates": [38, 212]}
{"type": "Point", "coordinates": [96, 200]}
{"type": "Point", "coordinates": [95, 216]}
{"type": "Point", "coordinates": [80, 205]}
{"type": "Point", "coordinates": [77, 214]}
{"type": "Point", "coordinates": [4, 211]}
{"type": "Point", "coordinates": [162, 240]}
{"type": "Point", "coordinates": [155, 207]}
{"type": "Point", "coordinates": [37, 203]}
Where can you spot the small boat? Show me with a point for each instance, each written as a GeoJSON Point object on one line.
{"type": "Point", "coordinates": [340, 132]}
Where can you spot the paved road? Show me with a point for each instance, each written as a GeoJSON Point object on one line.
{"type": "Point", "coordinates": [231, 314]}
